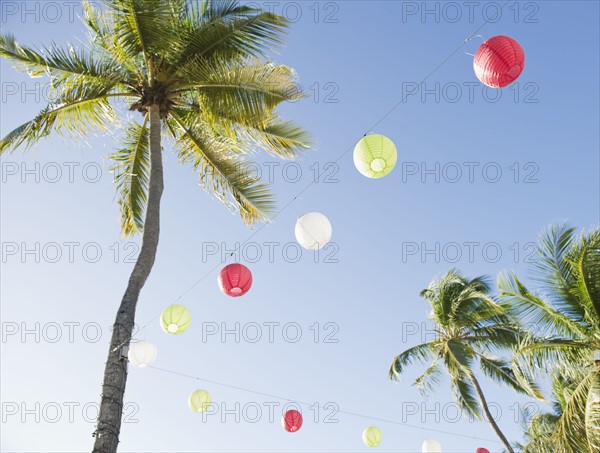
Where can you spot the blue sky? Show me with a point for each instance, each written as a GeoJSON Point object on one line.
{"type": "Point", "coordinates": [477, 178]}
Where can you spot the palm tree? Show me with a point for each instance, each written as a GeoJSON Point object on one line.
{"type": "Point", "coordinates": [566, 318]}
{"type": "Point", "coordinates": [471, 326]}
{"type": "Point", "coordinates": [196, 74]}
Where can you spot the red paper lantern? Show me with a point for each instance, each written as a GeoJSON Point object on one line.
{"type": "Point", "coordinates": [499, 61]}
{"type": "Point", "coordinates": [235, 280]}
{"type": "Point", "coordinates": [292, 421]}
{"type": "Point", "coordinates": [482, 450]}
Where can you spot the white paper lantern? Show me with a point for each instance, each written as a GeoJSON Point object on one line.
{"type": "Point", "coordinates": [142, 354]}
{"type": "Point", "coordinates": [431, 446]}
{"type": "Point", "coordinates": [313, 231]}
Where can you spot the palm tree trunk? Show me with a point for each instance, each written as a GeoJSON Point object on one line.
{"type": "Point", "coordinates": [115, 372]}
{"type": "Point", "coordinates": [488, 415]}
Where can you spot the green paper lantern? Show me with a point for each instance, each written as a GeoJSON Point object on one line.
{"type": "Point", "coordinates": [175, 319]}
{"type": "Point", "coordinates": [375, 156]}
{"type": "Point", "coordinates": [199, 400]}
{"type": "Point", "coordinates": [371, 436]}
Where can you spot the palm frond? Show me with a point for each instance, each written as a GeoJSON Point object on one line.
{"type": "Point", "coordinates": [500, 371]}
{"type": "Point", "coordinates": [554, 272]}
{"type": "Point", "coordinates": [59, 63]}
{"type": "Point", "coordinates": [592, 412]}
{"type": "Point", "coordinates": [144, 27]}
{"type": "Point", "coordinates": [77, 110]}
{"type": "Point", "coordinates": [279, 138]}
{"type": "Point", "coordinates": [221, 168]}
{"type": "Point", "coordinates": [539, 433]}
{"type": "Point", "coordinates": [458, 358]}
{"type": "Point", "coordinates": [430, 379]}
{"type": "Point", "coordinates": [233, 33]}
{"type": "Point", "coordinates": [571, 427]}
{"type": "Point", "coordinates": [243, 94]}
{"type": "Point", "coordinates": [441, 293]}
{"type": "Point", "coordinates": [546, 353]}
{"type": "Point", "coordinates": [417, 354]}
{"type": "Point", "coordinates": [501, 335]}
{"type": "Point", "coordinates": [466, 396]}
{"type": "Point", "coordinates": [101, 26]}
{"type": "Point", "coordinates": [584, 257]}
{"type": "Point", "coordinates": [132, 168]}
{"type": "Point", "coordinates": [525, 306]}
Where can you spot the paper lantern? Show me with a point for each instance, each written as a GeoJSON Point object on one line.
{"type": "Point", "coordinates": [142, 354]}
{"type": "Point", "coordinates": [175, 319]}
{"type": "Point", "coordinates": [235, 280]}
{"type": "Point", "coordinates": [313, 231]}
{"type": "Point", "coordinates": [199, 400]}
{"type": "Point", "coordinates": [375, 156]}
{"type": "Point", "coordinates": [292, 421]}
{"type": "Point", "coordinates": [371, 436]}
{"type": "Point", "coordinates": [482, 450]}
{"type": "Point", "coordinates": [431, 446]}
{"type": "Point", "coordinates": [499, 61]}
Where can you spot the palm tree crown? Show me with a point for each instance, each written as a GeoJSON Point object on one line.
{"type": "Point", "coordinates": [198, 62]}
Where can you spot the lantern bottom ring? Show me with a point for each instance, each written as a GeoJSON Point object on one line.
{"type": "Point", "coordinates": [378, 164]}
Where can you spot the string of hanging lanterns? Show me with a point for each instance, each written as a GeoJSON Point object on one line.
{"type": "Point", "coordinates": [492, 48]}
{"type": "Point", "coordinates": [498, 62]}
{"type": "Point", "coordinates": [292, 420]}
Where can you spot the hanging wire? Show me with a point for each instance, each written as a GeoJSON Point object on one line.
{"type": "Point", "coordinates": [304, 403]}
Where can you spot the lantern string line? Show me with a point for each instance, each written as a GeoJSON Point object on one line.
{"type": "Point", "coordinates": [287, 205]}
{"type": "Point", "coordinates": [444, 61]}
{"type": "Point", "coordinates": [303, 403]}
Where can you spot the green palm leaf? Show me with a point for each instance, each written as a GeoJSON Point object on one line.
{"type": "Point", "coordinates": [221, 169]}
{"type": "Point", "coordinates": [592, 411]}
{"type": "Point", "coordinates": [524, 305]}
{"type": "Point", "coordinates": [279, 138]}
{"type": "Point", "coordinates": [241, 34]}
{"type": "Point", "coordinates": [466, 396]}
{"type": "Point", "coordinates": [554, 272]}
{"type": "Point", "coordinates": [500, 371]}
{"type": "Point", "coordinates": [132, 168]}
{"type": "Point", "coordinates": [430, 379]}
{"type": "Point", "coordinates": [571, 429]}
{"type": "Point", "coordinates": [416, 354]}
{"type": "Point", "coordinates": [88, 110]}
{"type": "Point", "coordinates": [59, 63]}
{"type": "Point", "coordinates": [584, 257]}
{"type": "Point", "coordinates": [144, 27]}
{"type": "Point", "coordinates": [243, 94]}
